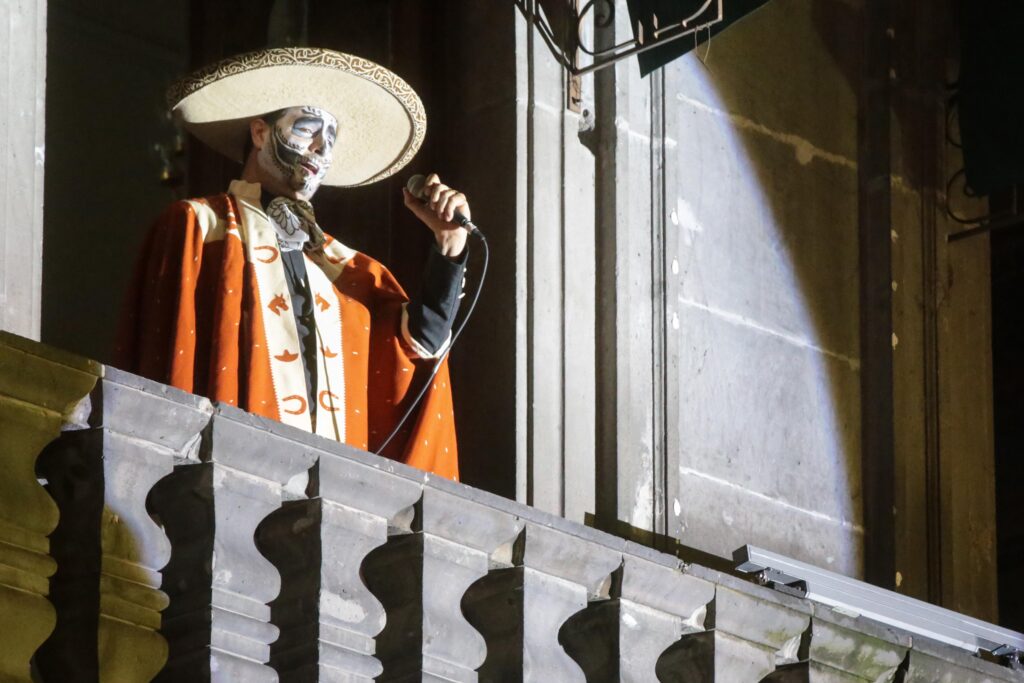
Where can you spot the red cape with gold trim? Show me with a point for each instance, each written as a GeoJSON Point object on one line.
{"type": "Point", "coordinates": [209, 312]}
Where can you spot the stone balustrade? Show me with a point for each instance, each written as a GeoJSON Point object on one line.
{"type": "Point", "coordinates": [174, 539]}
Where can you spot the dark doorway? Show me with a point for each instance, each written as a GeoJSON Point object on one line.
{"type": "Point", "coordinates": [1008, 388]}
{"type": "Point", "coordinates": [109, 156]}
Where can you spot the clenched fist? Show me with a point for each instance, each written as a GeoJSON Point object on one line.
{"type": "Point", "coordinates": [438, 210]}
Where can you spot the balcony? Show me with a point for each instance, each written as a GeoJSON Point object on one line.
{"type": "Point", "coordinates": [148, 534]}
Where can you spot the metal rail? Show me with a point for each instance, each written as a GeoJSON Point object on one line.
{"type": "Point", "coordinates": [862, 599]}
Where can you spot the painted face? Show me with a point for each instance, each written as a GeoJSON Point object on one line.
{"type": "Point", "coordinates": [298, 152]}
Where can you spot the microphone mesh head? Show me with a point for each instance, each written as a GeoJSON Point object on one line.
{"type": "Point", "coordinates": [415, 185]}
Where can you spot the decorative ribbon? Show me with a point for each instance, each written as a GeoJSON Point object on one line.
{"type": "Point", "coordinates": [295, 224]}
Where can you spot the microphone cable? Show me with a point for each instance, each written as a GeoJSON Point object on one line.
{"type": "Point", "coordinates": [451, 344]}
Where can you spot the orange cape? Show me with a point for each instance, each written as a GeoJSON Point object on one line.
{"type": "Point", "coordinates": [209, 312]}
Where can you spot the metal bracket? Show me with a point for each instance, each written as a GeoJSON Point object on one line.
{"type": "Point", "coordinates": [1014, 221]}
{"type": "Point", "coordinates": [575, 93]}
{"type": "Point", "coordinates": [776, 580]}
{"type": "Point", "coordinates": [566, 50]}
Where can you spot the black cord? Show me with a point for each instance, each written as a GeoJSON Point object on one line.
{"type": "Point", "coordinates": [953, 111]}
{"type": "Point", "coordinates": [967, 193]}
{"type": "Point", "coordinates": [455, 336]}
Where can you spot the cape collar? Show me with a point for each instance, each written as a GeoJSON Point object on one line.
{"type": "Point", "coordinates": [247, 192]}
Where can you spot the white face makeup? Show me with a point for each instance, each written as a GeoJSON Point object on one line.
{"type": "Point", "coordinates": [298, 150]}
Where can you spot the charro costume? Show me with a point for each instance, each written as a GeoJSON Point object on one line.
{"type": "Point", "coordinates": [313, 334]}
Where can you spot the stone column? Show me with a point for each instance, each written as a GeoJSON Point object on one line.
{"type": "Point", "coordinates": [220, 629]}
{"type": "Point", "coordinates": [39, 391]}
{"type": "Point", "coordinates": [22, 118]}
{"type": "Point", "coordinates": [109, 550]}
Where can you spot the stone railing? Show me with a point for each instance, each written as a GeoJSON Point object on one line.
{"type": "Point", "coordinates": [147, 534]}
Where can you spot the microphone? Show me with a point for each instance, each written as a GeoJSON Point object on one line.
{"type": "Point", "coordinates": [416, 186]}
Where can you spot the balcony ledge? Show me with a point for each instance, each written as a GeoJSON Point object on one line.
{"type": "Point", "coordinates": [146, 533]}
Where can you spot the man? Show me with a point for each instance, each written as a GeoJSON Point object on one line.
{"type": "Point", "coordinates": [241, 297]}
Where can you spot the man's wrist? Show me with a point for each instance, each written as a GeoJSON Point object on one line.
{"type": "Point", "coordinates": [452, 243]}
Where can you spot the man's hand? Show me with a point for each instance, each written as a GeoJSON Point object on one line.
{"type": "Point", "coordinates": [437, 214]}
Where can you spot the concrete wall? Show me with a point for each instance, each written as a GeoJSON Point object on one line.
{"type": "Point", "coordinates": [23, 88]}
{"type": "Point", "coordinates": [704, 292]}
{"type": "Point", "coordinates": [727, 274]}
{"type": "Point", "coordinates": [559, 274]}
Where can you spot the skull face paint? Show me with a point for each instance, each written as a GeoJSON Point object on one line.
{"type": "Point", "coordinates": [298, 149]}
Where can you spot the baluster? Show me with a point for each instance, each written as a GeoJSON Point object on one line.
{"type": "Point", "coordinates": [653, 604]}
{"type": "Point", "coordinates": [460, 538]}
{"type": "Point", "coordinates": [561, 573]}
{"type": "Point", "coordinates": [844, 650]}
{"type": "Point", "coordinates": [250, 464]}
{"type": "Point", "coordinates": [754, 632]}
{"type": "Point", "coordinates": [521, 610]}
{"type": "Point", "coordinates": [423, 577]}
{"type": "Point", "coordinates": [659, 604]}
{"type": "Point", "coordinates": [40, 388]}
{"type": "Point", "coordinates": [109, 549]}
{"type": "Point", "coordinates": [328, 627]}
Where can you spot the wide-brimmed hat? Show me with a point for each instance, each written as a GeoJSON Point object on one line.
{"type": "Point", "coordinates": [381, 120]}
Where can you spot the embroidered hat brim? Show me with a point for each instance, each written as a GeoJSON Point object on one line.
{"type": "Point", "coordinates": [381, 120]}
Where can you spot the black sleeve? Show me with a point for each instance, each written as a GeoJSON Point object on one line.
{"type": "Point", "coordinates": [431, 317]}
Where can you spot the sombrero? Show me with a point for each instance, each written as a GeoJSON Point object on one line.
{"type": "Point", "coordinates": [381, 120]}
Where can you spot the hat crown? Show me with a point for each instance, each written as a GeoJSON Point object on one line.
{"type": "Point", "coordinates": [381, 119]}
